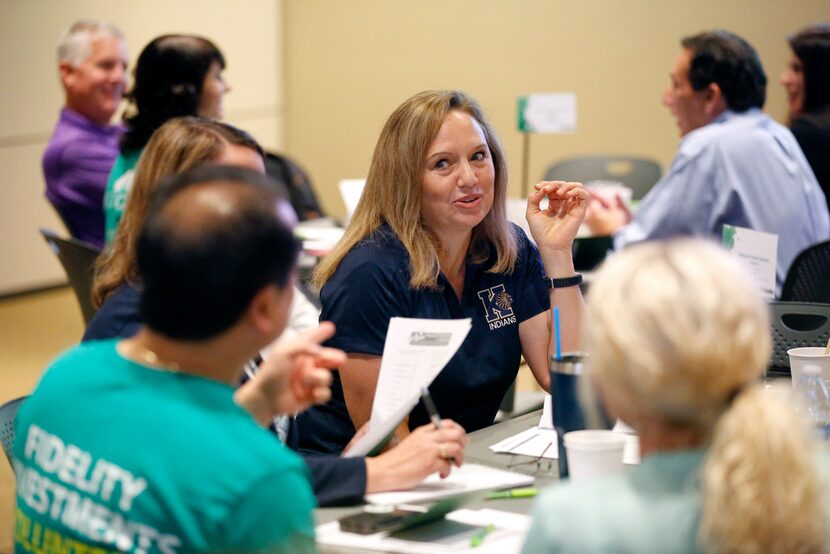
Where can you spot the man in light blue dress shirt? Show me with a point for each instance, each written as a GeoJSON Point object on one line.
{"type": "Point", "coordinates": [735, 165]}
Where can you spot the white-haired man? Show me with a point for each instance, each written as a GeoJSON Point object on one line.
{"type": "Point", "coordinates": [92, 60]}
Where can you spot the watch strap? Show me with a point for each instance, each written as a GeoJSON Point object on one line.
{"type": "Point", "coordinates": [564, 282]}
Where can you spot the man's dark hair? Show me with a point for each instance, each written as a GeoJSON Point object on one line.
{"type": "Point", "coordinates": [729, 61]}
{"type": "Point", "coordinates": [211, 241]}
{"type": "Point", "coordinates": [812, 47]}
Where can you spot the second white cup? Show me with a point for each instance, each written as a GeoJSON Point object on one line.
{"type": "Point", "coordinates": [593, 453]}
{"type": "Point", "coordinates": [799, 357]}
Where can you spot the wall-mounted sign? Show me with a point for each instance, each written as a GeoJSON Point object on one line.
{"type": "Point", "coordinates": [550, 112]}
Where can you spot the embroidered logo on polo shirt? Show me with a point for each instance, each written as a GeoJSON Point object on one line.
{"type": "Point", "coordinates": [498, 307]}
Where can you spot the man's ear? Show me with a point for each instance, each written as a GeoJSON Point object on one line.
{"type": "Point", "coordinates": [714, 103]}
{"type": "Point", "coordinates": [67, 73]}
{"type": "Point", "coordinates": [264, 307]}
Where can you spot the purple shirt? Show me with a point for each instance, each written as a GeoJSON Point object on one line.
{"type": "Point", "coordinates": [76, 165]}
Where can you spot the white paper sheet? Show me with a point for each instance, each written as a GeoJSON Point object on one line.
{"type": "Point", "coordinates": [379, 430]}
{"type": "Point", "coordinates": [467, 478]}
{"type": "Point", "coordinates": [507, 538]}
{"type": "Point", "coordinates": [535, 442]}
{"type": "Point", "coordinates": [415, 352]}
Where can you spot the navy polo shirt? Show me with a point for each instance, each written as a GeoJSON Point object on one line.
{"type": "Point", "coordinates": [371, 285]}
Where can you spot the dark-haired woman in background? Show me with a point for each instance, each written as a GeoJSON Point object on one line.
{"type": "Point", "coordinates": [176, 75]}
{"type": "Point", "coordinates": [807, 81]}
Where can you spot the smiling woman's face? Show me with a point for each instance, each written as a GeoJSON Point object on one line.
{"type": "Point", "coordinates": [214, 89]}
{"type": "Point", "coordinates": [458, 177]}
{"type": "Point", "coordinates": [793, 80]}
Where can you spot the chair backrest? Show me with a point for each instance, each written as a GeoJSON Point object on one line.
{"type": "Point", "coordinates": [796, 324]}
{"type": "Point", "coordinates": [8, 415]}
{"type": "Point", "coordinates": [639, 174]}
{"type": "Point", "coordinates": [296, 184]}
{"type": "Point", "coordinates": [589, 252]}
{"type": "Point", "coordinates": [78, 260]}
{"type": "Point", "coordinates": [808, 279]}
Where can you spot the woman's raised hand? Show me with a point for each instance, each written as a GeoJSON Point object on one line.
{"type": "Point", "coordinates": [555, 227]}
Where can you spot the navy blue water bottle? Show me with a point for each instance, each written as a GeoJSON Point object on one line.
{"type": "Point", "coordinates": [564, 395]}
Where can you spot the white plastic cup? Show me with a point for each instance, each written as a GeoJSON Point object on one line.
{"type": "Point", "coordinates": [593, 453]}
{"type": "Point", "coordinates": [799, 357]}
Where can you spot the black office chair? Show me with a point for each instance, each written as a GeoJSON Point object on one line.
{"type": "Point", "coordinates": [589, 252]}
{"type": "Point", "coordinates": [795, 324]}
{"type": "Point", "coordinates": [78, 260]}
{"type": "Point", "coordinates": [65, 221]}
{"type": "Point", "coordinates": [8, 415]}
{"type": "Point", "coordinates": [639, 174]}
{"type": "Point", "coordinates": [296, 184]}
{"type": "Point", "coordinates": [808, 279]}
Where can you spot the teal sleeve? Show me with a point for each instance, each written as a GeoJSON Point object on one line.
{"type": "Point", "coordinates": [544, 533]}
{"type": "Point", "coordinates": [276, 515]}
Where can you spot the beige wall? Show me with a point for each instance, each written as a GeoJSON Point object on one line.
{"type": "Point", "coordinates": [349, 64]}
{"type": "Point", "coordinates": [250, 34]}
{"type": "Point", "coordinates": [346, 65]}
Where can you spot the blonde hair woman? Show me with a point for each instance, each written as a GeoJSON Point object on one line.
{"type": "Point", "coordinates": [679, 341]}
{"type": "Point", "coordinates": [430, 239]}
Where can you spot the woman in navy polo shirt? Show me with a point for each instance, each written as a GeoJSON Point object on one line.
{"type": "Point", "coordinates": [430, 239]}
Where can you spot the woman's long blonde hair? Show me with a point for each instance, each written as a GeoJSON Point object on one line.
{"type": "Point", "coordinates": [393, 191]}
{"type": "Point", "coordinates": [676, 332]}
{"type": "Point", "coordinates": [178, 145]}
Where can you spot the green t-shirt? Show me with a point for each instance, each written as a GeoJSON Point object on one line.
{"type": "Point", "coordinates": [119, 184]}
{"type": "Point", "coordinates": [112, 455]}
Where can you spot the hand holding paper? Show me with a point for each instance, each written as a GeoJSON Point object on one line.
{"type": "Point", "coordinates": [415, 352]}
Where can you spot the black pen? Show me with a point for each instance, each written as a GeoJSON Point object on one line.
{"type": "Point", "coordinates": [426, 398]}
{"type": "Point", "coordinates": [435, 419]}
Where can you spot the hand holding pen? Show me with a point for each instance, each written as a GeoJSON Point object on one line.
{"type": "Point", "coordinates": [426, 450]}
{"type": "Point", "coordinates": [443, 449]}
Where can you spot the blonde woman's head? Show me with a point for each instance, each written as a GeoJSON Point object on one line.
{"type": "Point", "coordinates": [679, 337]}
{"type": "Point", "coordinates": [675, 330]}
{"type": "Point", "coordinates": [394, 182]}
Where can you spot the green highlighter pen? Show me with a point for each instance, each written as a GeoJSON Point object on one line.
{"type": "Point", "coordinates": [513, 493]}
{"type": "Point", "coordinates": [479, 536]}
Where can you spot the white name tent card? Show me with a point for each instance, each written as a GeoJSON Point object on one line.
{"type": "Point", "coordinates": [350, 192]}
{"type": "Point", "coordinates": [758, 253]}
{"type": "Point", "coordinates": [415, 352]}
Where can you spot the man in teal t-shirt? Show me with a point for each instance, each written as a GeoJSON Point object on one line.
{"type": "Point", "coordinates": [141, 445]}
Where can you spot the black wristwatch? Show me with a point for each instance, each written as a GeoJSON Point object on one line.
{"type": "Point", "coordinates": [564, 282]}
